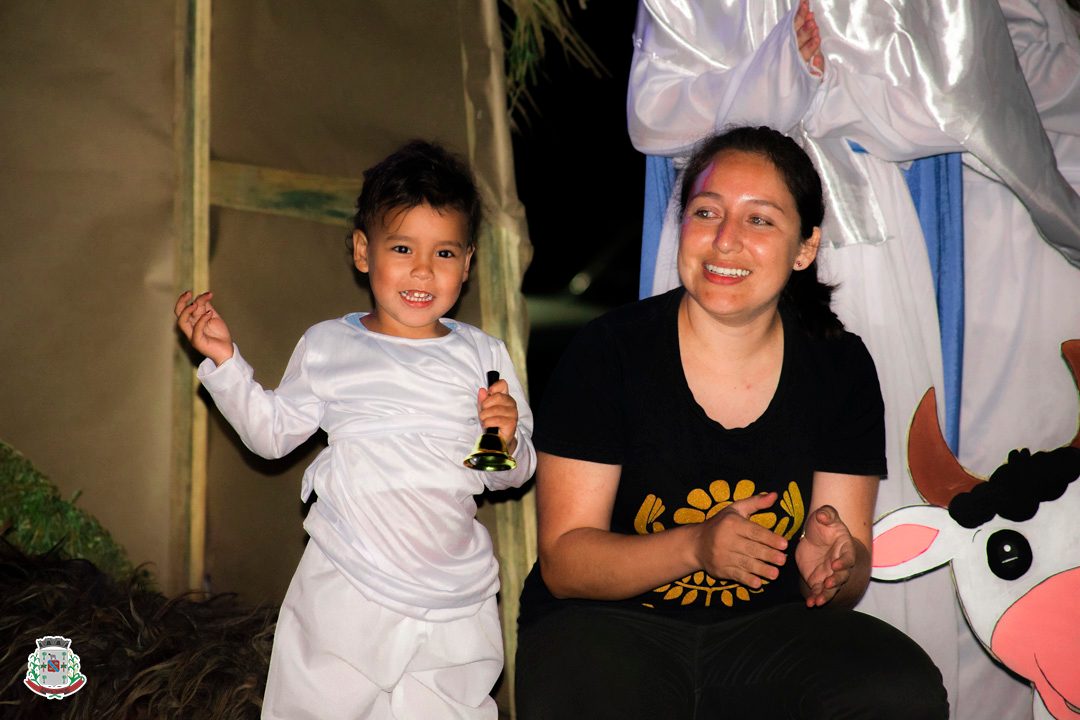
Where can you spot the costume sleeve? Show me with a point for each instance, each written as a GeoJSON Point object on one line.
{"type": "Point", "coordinates": [1049, 55]}
{"type": "Point", "coordinates": [695, 72]}
{"type": "Point", "coordinates": [524, 453]}
{"type": "Point", "coordinates": [581, 416]}
{"type": "Point", "coordinates": [874, 99]}
{"type": "Point", "coordinates": [885, 120]}
{"type": "Point", "coordinates": [911, 80]}
{"type": "Point", "coordinates": [853, 436]}
{"type": "Point", "coordinates": [271, 423]}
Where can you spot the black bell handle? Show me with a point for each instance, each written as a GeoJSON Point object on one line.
{"type": "Point", "coordinates": [492, 378]}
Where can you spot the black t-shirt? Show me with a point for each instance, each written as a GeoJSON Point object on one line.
{"type": "Point", "coordinates": [619, 396]}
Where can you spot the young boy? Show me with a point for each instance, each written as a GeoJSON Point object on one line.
{"type": "Point", "coordinates": [391, 612]}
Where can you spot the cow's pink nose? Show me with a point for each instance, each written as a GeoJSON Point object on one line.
{"type": "Point", "coordinates": [1039, 637]}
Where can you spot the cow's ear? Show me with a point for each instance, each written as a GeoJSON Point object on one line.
{"type": "Point", "coordinates": [914, 540]}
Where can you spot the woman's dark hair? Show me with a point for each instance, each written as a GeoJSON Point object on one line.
{"type": "Point", "coordinates": [804, 295]}
{"type": "Point", "coordinates": [419, 173]}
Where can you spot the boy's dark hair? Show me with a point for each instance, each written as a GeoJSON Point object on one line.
{"type": "Point", "coordinates": [804, 295]}
{"type": "Point", "coordinates": [419, 173]}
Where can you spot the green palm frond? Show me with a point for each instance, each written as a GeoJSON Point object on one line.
{"type": "Point", "coordinates": [35, 519]}
{"type": "Point", "coordinates": [525, 47]}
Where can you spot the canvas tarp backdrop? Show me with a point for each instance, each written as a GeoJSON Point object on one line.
{"type": "Point", "coordinates": [88, 252]}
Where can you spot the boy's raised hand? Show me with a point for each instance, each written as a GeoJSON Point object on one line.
{"type": "Point", "coordinates": [203, 327]}
{"type": "Point", "coordinates": [499, 410]}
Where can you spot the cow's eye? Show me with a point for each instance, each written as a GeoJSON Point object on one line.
{"type": "Point", "coordinates": [1008, 554]}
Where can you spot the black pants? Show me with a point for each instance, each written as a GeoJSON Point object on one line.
{"type": "Point", "coordinates": [592, 662]}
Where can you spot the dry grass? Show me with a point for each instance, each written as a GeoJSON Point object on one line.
{"type": "Point", "coordinates": [144, 655]}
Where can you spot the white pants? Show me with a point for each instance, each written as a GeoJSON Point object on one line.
{"type": "Point", "coordinates": [338, 655]}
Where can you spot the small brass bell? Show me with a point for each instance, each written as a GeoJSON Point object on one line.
{"type": "Point", "coordinates": [490, 453]}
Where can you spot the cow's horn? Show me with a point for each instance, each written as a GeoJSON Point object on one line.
{"type": "Point", "coordinates": [1070, 350]}
{"type": "Point", "coordinates": [936, 472]}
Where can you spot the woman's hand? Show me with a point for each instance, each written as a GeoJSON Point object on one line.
{"type": "Point", "coordinates": [203, 327]}
{"type": "Point", "coordinates": [808, 37]}
{"type": "Point", "coordinates": [732, 546]}
{"type": "Point", "coordinates": [498, 409]}
{"type": "Point", "coordinates": [825, 555]}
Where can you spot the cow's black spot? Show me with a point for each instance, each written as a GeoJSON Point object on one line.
{"type": "Point", "coordinates": [1015, 489]}
{"type": "Point", "coordinates": [1008, 554]}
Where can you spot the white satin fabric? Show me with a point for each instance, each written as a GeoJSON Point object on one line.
{"type": "Point", "coordinates": [395, 510]}
{"type": "Point", "coordinates": [907, 80]}
{"type": "Point", "coordinates": [363, 660]}
{"type": "Point", "coordinates": [903, 79]}
{"type": "Point", "coordinates": [1023, 300]}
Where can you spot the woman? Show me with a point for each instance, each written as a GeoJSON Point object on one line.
{"type": "Point", "coordinates": [904, 81]}
{"type": "Point", "coordinates": [709, 465]}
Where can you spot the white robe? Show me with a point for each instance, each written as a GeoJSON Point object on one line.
{"type": "Point", "coordinates": [395, 511]}
{"type": "Point", "coordinates": [1022, 297]}
{"type": "Point", "coordinates": [700, 67]}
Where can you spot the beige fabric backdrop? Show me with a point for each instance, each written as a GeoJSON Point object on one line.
{"type": "Point", "coordinates": [86, 277]}
{"type": "Point", "coordinates": [87, 182]}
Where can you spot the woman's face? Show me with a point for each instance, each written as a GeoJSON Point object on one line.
{"type": "Point", "coordinates": [739, 239]}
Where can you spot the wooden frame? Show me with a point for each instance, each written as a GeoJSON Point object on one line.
{"type": "Point", "coordinates": [192, 263]}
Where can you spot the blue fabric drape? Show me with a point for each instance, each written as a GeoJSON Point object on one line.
{"type": "Point", "coordinates": [937, 189]}
{"type": "Point", "coordinates": [659, 184]}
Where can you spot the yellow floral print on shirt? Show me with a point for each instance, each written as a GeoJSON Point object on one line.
{"type": "Point", "coordinates": [703, 504]}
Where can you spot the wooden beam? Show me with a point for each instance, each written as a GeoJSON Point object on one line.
{"type": "Point", "coordinates": [502, 256]}
{"type": "Point", "coordinates": [503, 309]}
{"type": "Point", "coordinates": [320, 198]}
{"type": "Point", "coordinates": [191, 256]}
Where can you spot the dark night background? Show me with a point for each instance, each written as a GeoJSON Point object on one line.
{"type": "Point", "coordinates": [582, 185]}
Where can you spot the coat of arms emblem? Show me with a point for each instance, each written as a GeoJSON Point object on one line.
{"type": "Point", "coordinates": [52, 670]}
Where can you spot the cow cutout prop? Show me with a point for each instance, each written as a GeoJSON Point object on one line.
{"type": "Point", "coordinates": [1013, 544]}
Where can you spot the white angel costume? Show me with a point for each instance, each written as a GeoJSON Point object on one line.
{"type": "Point", "coordinates": [392, 610]}
{"type": "Point", "coordinates": [1023, 298]}
{"type": "Point", "coordinates": [902, 80]}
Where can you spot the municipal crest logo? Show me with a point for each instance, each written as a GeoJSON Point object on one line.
{"type": "Point", "coordinates": [52, 671]}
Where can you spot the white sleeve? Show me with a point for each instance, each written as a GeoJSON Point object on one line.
{"type": "Point", "coordinates": [681, 89]}
{"type": "Point", "coordinates": [886, 115]}
{"type": "Point", "coordinates": [271, 423]}
{"type": "Point", "coordinates": [915, 81]}
{"type": "Point", "coordinates": [524, 453]}
{"type": "Point", "coordinates": [1049, 55]}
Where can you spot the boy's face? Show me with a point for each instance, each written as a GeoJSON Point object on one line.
{"type": "Point", "coordinates": [416, 261]}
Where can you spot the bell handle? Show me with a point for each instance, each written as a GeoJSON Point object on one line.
{"type": "Point", "coordinates": [492, 378]}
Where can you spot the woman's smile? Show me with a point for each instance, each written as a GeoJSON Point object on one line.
{"type": "Point", "coordinates": [726, 272]}
{"type": "Point", "coordinates": [739, 241]}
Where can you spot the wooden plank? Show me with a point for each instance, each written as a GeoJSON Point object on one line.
{"type": "Point", "coordinates": [501, 258]}
{"type": "Point", "coordinates": [320, 198]}
{"type": "Point", "coordinates": [191, 256]}
{"type": "Point", "coordinates": [502, 308]}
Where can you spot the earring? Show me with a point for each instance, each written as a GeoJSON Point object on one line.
{"type": "Point", "coordinates": [798, 264]}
